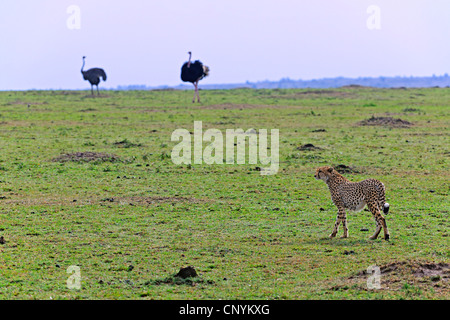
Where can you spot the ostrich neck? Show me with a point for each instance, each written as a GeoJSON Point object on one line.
{"type": "Point", "coordinates": [82, 67]}
{"type": "Point", "coordinates": [189, 62]}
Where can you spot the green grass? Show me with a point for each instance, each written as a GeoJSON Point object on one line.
{"type": "Point", "coordinates": [130, 225]}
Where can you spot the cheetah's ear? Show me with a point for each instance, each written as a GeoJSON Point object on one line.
{"type": "Point", "coordinates": [330, 170]}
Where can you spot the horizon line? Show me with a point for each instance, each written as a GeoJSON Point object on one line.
{"type": "Point", "coordinates": [246, 84]}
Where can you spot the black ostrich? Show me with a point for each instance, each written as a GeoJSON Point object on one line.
{"type": "Point", "coordinates": [194, 72]}
{"type": "Point", "coordinates": [93, 76]}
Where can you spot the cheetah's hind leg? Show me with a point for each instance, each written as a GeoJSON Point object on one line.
{"type": "Point", "coordinates": [380, 220]}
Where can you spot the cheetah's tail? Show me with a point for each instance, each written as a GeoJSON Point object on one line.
{"type": "Point", "coordinates": [386, 208]}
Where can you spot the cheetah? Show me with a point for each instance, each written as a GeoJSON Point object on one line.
{"type": "Point", "coordinates": [354, 196]}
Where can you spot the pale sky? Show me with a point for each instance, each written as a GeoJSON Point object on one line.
{"type": "Point", "coordinates": [145, 42]}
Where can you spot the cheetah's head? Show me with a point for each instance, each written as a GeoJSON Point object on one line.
{"type": "Point", "coordinates": [323, 173]}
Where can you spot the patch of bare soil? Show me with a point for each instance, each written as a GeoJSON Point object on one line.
{"type": "Point", "coordinates": [87, 156]}
{"type": "Point", "coordinates": [154, 200]}
{"type": "Point", "coordinates": [318, 93]}
{"type": "Point", "coordinates": [20, 102]}
{"type": "Point", "coordinates": [66, 92]}
{"type": "Point", "coordinates": [404, 274]}
{"type": "Point", "coordinates": [229, 106]}
{"type": "Point", "coordinates": [385, 121]}
{"type": "Point", "coordinates": [96, 96]}
{"type": "Point", "coordinates": [417, 269]}
{"type": "Point", "coordinates": [132, 201]}
{"type": "Point", "coordinates": [43, 200]}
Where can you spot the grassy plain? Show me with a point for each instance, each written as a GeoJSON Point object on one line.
{"type": "Point", "coordinates": [130, 224]}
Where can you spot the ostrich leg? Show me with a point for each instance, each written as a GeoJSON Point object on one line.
{"type": "Point", "coordinates": [92, 89]}
{"type": "Point", "coordinates": [195, 91]}
{"type": "Point", "coordinates": [98, 93]}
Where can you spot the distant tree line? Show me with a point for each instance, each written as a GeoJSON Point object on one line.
{"type": "Point", "coordinates": [287, 83]}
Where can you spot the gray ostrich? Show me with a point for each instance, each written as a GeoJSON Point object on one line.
{"type": "Point", "coordinates": [93, 76]}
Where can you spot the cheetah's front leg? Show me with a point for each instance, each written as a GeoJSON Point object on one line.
{"type": "Point", "coordinates": [341, 217]}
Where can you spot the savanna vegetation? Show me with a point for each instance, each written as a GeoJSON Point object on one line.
{"type": "Point", "coordinates": [89, 182]}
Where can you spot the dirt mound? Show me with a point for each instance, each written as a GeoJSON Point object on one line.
{"type": "Point", "coordinates": [342, 168]}
{"type": "Point", "coordinates": [187, 272]}
{"type": "Point", "coordinates": [186, 276]}
{"type": "Point", "coordinates": [88, 156]}
{"type": "Point", "coordinates": [127, 144]}
{"type": "Point", "coordinates": [385, 121]}
{"type": "Point", "coordinates": [417, 269]}
{"type": "Point", "coordinates": [416, 277]}
{"type": "Point", "coordinates": [308, 147]}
